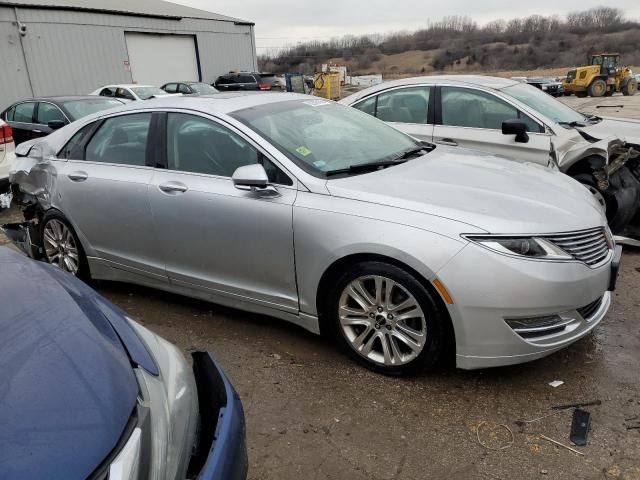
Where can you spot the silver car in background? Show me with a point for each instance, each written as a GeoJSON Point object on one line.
{"type": "Point", "coordinates": [323, 216]}
{"type": "Point", "coordinates": [519, 122]}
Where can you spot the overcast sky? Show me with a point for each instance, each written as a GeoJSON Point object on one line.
{"type": "Point", "coordinates": [286, 22]}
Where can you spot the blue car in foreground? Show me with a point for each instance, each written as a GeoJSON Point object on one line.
{"type": "Point", "coordinates": [87, 393]}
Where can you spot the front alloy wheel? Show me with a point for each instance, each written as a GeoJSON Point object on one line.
{"type": "Point", "coordinates": [60, 246]}
{"type": "Point", "coordinates": [382, 321]}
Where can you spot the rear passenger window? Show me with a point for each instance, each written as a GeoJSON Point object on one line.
{"type": "Point", "coordinates": [183, 89]}
{"type": "Point", "coordinates": [48, 112]}
{"type": "Point", "coordinates": [108, 92]}
{"type": "Point", "coordinates": [404, 105]}
{"type": "Point", "coordinates": [247, 79]}
{"type": "Point", "coordinates": [170, 88]}
{"type": "Point", "coordinates": [199, 145]}
{"type": "Point", "coordinates": [121, 140]}
{"type": "Point", "coordinates": [8, 116]}
{"type": "Point", "coordinates": [24, 112]}
{"type": "Point", "coordinates": [73, 148]}
{"type": "Point", "coordinates": [367, 106]}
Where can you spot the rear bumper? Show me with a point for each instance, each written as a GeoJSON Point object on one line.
{"type": "Point", "coordinates": [222, 449]}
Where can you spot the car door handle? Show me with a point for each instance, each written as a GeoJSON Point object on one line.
{"type": "Point", "coordinates": [447, 141]}
{"type": "Point", "coordinates": [173, 187]}
{"type": "Point", "coordinates": [78, 176]}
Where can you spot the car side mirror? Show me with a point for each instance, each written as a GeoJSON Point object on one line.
{"type": "Point", "coordinates": [517, 128]}
{"type": "Point", "coordinates": [55, 124]}
{"type": "Point", "coordinates": [254, 178]}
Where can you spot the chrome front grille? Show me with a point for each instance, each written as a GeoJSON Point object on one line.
{"type": "Point", "coordinates": [589, 246]}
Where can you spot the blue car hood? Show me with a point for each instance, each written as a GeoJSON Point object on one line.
{"type": "Point", "coordinates": [67, 387]}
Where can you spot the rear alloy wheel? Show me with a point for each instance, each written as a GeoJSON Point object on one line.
{"type": "Point", "coordinates": [598, 88]}
{"type": "Point", "coordinates": [61, 245]}
{"type": "Point", "coordinates": [386, 319]}
{"type": "Point", "coordinates": [630, 88]}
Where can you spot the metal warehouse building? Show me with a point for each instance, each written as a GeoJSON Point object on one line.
{"type": "Point", "coordinates": [59, 47]}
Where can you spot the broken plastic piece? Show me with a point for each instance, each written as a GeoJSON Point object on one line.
{"type": "Point", "coordinates": [556, 383]}
{"type": "Point", "coordinates": [5, 200]}
{"type": "Point", "coordinates": [580, 427]}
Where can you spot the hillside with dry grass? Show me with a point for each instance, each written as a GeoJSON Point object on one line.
{"type": "Point", "coordinates": [533, 45]}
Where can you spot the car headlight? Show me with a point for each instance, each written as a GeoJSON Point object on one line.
{"type": "Point", "coordinates": [530, 247]}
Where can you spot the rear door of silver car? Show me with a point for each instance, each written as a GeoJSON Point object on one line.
{"type": "Point", "coordinates": [103, 188]}
{"type": "Point", "coordinates": [406, 108]}
{"type": "Point", "coordinates": [214, 236]}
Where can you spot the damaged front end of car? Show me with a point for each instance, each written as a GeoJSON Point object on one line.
{"type": "Point", "coordinates": [32, 181]}
{"type": "Point", "coordinates": [610, 168]}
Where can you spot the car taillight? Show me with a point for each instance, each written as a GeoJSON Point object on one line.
{"type": "Point", "coordinates": [6, 134]}
{"type": "Point", "coordinates": [264, 86]}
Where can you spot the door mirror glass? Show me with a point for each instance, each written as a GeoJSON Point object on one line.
{"type": "Point", "coordinates": [516, 127]}
{"type": "Point", "coordinates": [250, 176]}
{"type": "Point", "coordinates": [55, 124]}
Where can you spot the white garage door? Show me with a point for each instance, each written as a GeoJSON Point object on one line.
{"type": "Point", "coordinates": [158, 59]}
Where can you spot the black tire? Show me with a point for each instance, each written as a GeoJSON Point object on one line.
{"type": "Point", "coordinates": [630, 88]}
{"type": "Point", "coordinates": [620, 198]}
{"type": "Point", "coordinates": [54, 215]}
{"type": "Point", "coordinates": [609, 93]}
{"type": "Point", "coordinates": [581, 94]}
{"type": "Point", "coordinates": [597, 88]}
{"type": "Point", "coordinates": [435, 316]}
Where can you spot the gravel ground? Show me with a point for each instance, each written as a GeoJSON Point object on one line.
{"type": "Point", "coordinates": [312, 414]}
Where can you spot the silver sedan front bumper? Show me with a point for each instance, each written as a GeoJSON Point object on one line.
{"type": "Point", "coordinates": [496, 296]}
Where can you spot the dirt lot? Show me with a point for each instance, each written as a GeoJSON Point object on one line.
{"type": "Point", "coordinates": [312, 414]}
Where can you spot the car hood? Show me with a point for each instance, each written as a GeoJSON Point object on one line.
{"type": "Point", "coordinates": [68, 389]}
{"type": "Point", "coordinates": [624, 128]}
{"type": "Point", "coordinates": [490, 193]}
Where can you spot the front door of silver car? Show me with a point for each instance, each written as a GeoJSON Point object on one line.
{"type": "Point", "coordinates": [216, 237]}
{"type": "Point", "coordinates": [473, 118]}
{"type": "Point", "coordinates": [103, 188]}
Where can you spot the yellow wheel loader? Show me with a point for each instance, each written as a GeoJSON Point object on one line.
{"type": "Point", "coordinates": [603, 77]}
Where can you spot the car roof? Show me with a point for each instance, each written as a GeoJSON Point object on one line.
{"type": "Point", "coordinates": [478, 80]}
{"type": "Point", "coordinates": [126, 85]}
{"type": "Point", "coordinates": [68, 98]}
{"type": "Point", "coordinates": [220, 103]}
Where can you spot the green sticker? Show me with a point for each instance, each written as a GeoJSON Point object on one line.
{"type": "Point", "coordinates": [304, 151]}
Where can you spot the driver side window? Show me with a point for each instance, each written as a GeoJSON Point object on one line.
{"type": "Point", "coordinates": [199, 145]}
{"type": "Point", "coordinates": [464, 107]}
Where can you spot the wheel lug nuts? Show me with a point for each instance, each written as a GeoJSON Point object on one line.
{"type": "Point", "coordinates": [388, 327]}
{"type": "Point", "coordinates": [390, 317]}
{"type": "Point", "coordinates": [379, 309]}
{"type": "Point", "coordinates": [372, 315]}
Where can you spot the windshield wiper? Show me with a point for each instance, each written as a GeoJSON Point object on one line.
{"type": "Point", "coordinates": [572, 124]}
{"type": "Point", "coordinates": [365, 167]}
{"type": "Point", "coordinates": [592, 118]}
{"type": "Point", "coordinates": [410, 152]}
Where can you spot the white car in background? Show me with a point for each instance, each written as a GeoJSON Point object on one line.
{"type": "Point", "coordinates": [7, 155]}
{"type": "Point", "coordinates": [519, 122]}
{"type": "Point", "coordinates": [132, 92]}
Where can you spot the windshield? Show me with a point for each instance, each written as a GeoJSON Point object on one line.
{"type": "Point", "coordinates": [146, 93]}
{"type": "Point", "coordinates": [203, 88]}
{"type": "Point", "coordinates": [81, 108]}
{"type": "Point", "coordinates": [543, 103]}
{"type": "Point", "coordinates": [322, 136]}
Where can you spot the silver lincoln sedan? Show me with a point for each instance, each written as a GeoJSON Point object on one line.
{"type": "Point", "coordinates": [316, 213]}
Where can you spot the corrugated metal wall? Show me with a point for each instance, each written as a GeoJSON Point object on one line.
{"type": "Point", "coordinates": [71, 52]}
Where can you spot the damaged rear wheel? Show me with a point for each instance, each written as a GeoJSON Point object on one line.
{"type": "Point", "coordinates": [61, 245]}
